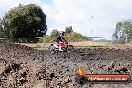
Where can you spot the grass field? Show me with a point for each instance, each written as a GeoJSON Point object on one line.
{"type": "Point", "coordinates": [84, 44]}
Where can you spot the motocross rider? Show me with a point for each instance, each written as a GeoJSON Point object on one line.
{"type": "Point", "coordinates": [60, 37]}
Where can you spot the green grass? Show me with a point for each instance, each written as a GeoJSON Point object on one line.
{"type": "Point", "coordinates": [46, 48]}
{"type": "Point", "coordinates": [93, 46]}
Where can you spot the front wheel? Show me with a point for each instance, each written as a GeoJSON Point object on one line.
{"type": "Point", "coordinates": [51, 48]}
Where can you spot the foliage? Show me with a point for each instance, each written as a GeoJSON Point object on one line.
{"type": "Point", "coordinates": [68, 29]}
{"type": "Point", "coordinates": [123, 32]}
{"type": "Point", "coordinates": [73, 36]}
{"type": "Point", "coordinates": [54, 33]}
{"type": "Point", "coordinates": [25, 22]}
{"type": "Point", "coordinates": [0, 23]}
{"type": "Point", "coordinates": [69, 36]}
{"type": "Point", "coordinates": [45, 39]}
{"type": "Point", "coordinates": [1, 30]}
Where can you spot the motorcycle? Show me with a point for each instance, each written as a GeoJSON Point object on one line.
{"type": "Point", "coordinates": [65, 47]}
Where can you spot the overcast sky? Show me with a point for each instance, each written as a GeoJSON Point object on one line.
{"type": "Point", "coordinates": [79, 13]}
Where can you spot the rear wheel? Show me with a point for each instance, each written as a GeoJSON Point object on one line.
{"type": "Point", "coordinates": [64, 49]}
{"type": "Point", "coordinates": [70, 47]}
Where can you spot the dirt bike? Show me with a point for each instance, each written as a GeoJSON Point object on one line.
{"type": "Point", "coordinates": [64, 46]}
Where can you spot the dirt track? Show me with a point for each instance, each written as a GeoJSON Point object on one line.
{"type": "Point", "coordinates": [24, 67]}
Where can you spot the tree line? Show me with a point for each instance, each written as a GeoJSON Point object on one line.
{"type": "Point", "coordinates": [27, 23]}
{"type": "Point", "coordinates": [70, 36]}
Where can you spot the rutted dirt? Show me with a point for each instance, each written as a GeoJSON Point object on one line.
{"type": "Point", "coordinates": [24, 67]}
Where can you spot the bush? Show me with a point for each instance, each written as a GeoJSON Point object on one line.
{"type": "Point", "coordinates": [70, 37]}
{"type": "Point", "coordinates": [74, 37]}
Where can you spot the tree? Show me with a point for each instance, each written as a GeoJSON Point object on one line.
{"type": "Point", "coordinates": [49, 38]}
{"type": "Point", "coordinates": [68, 29]}
{"type": "Point", "coordinates": [25, 22]}
{"type": "Point", "coordinates": [70, 37]}
{"type": "Point", "coordinates": [1, 29]}
{"type": "Point", "coordinates": [53, 34]}
{"type": "Point", "coordinates": [0, 23]}
{"type": "Point", "coordinates": [74, 37]}
{"type": "Point", "coordinates": [123, 32]}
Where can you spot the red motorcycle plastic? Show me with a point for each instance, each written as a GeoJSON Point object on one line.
{"type": "Point", "coordinates": [64, 45]}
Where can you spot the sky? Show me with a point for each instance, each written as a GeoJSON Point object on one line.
{"type": "Point", "coordinates": [98, 16]}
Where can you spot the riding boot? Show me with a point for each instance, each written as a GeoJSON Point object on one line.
{"type": "Point", "coordinates": [60, 48]}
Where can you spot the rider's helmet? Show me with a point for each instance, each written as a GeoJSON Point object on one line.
{"type": "Point", "coordinates": [61, 32]}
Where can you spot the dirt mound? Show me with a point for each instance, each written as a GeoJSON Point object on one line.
{"type": "Point", "coordinates": [24, 67]}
